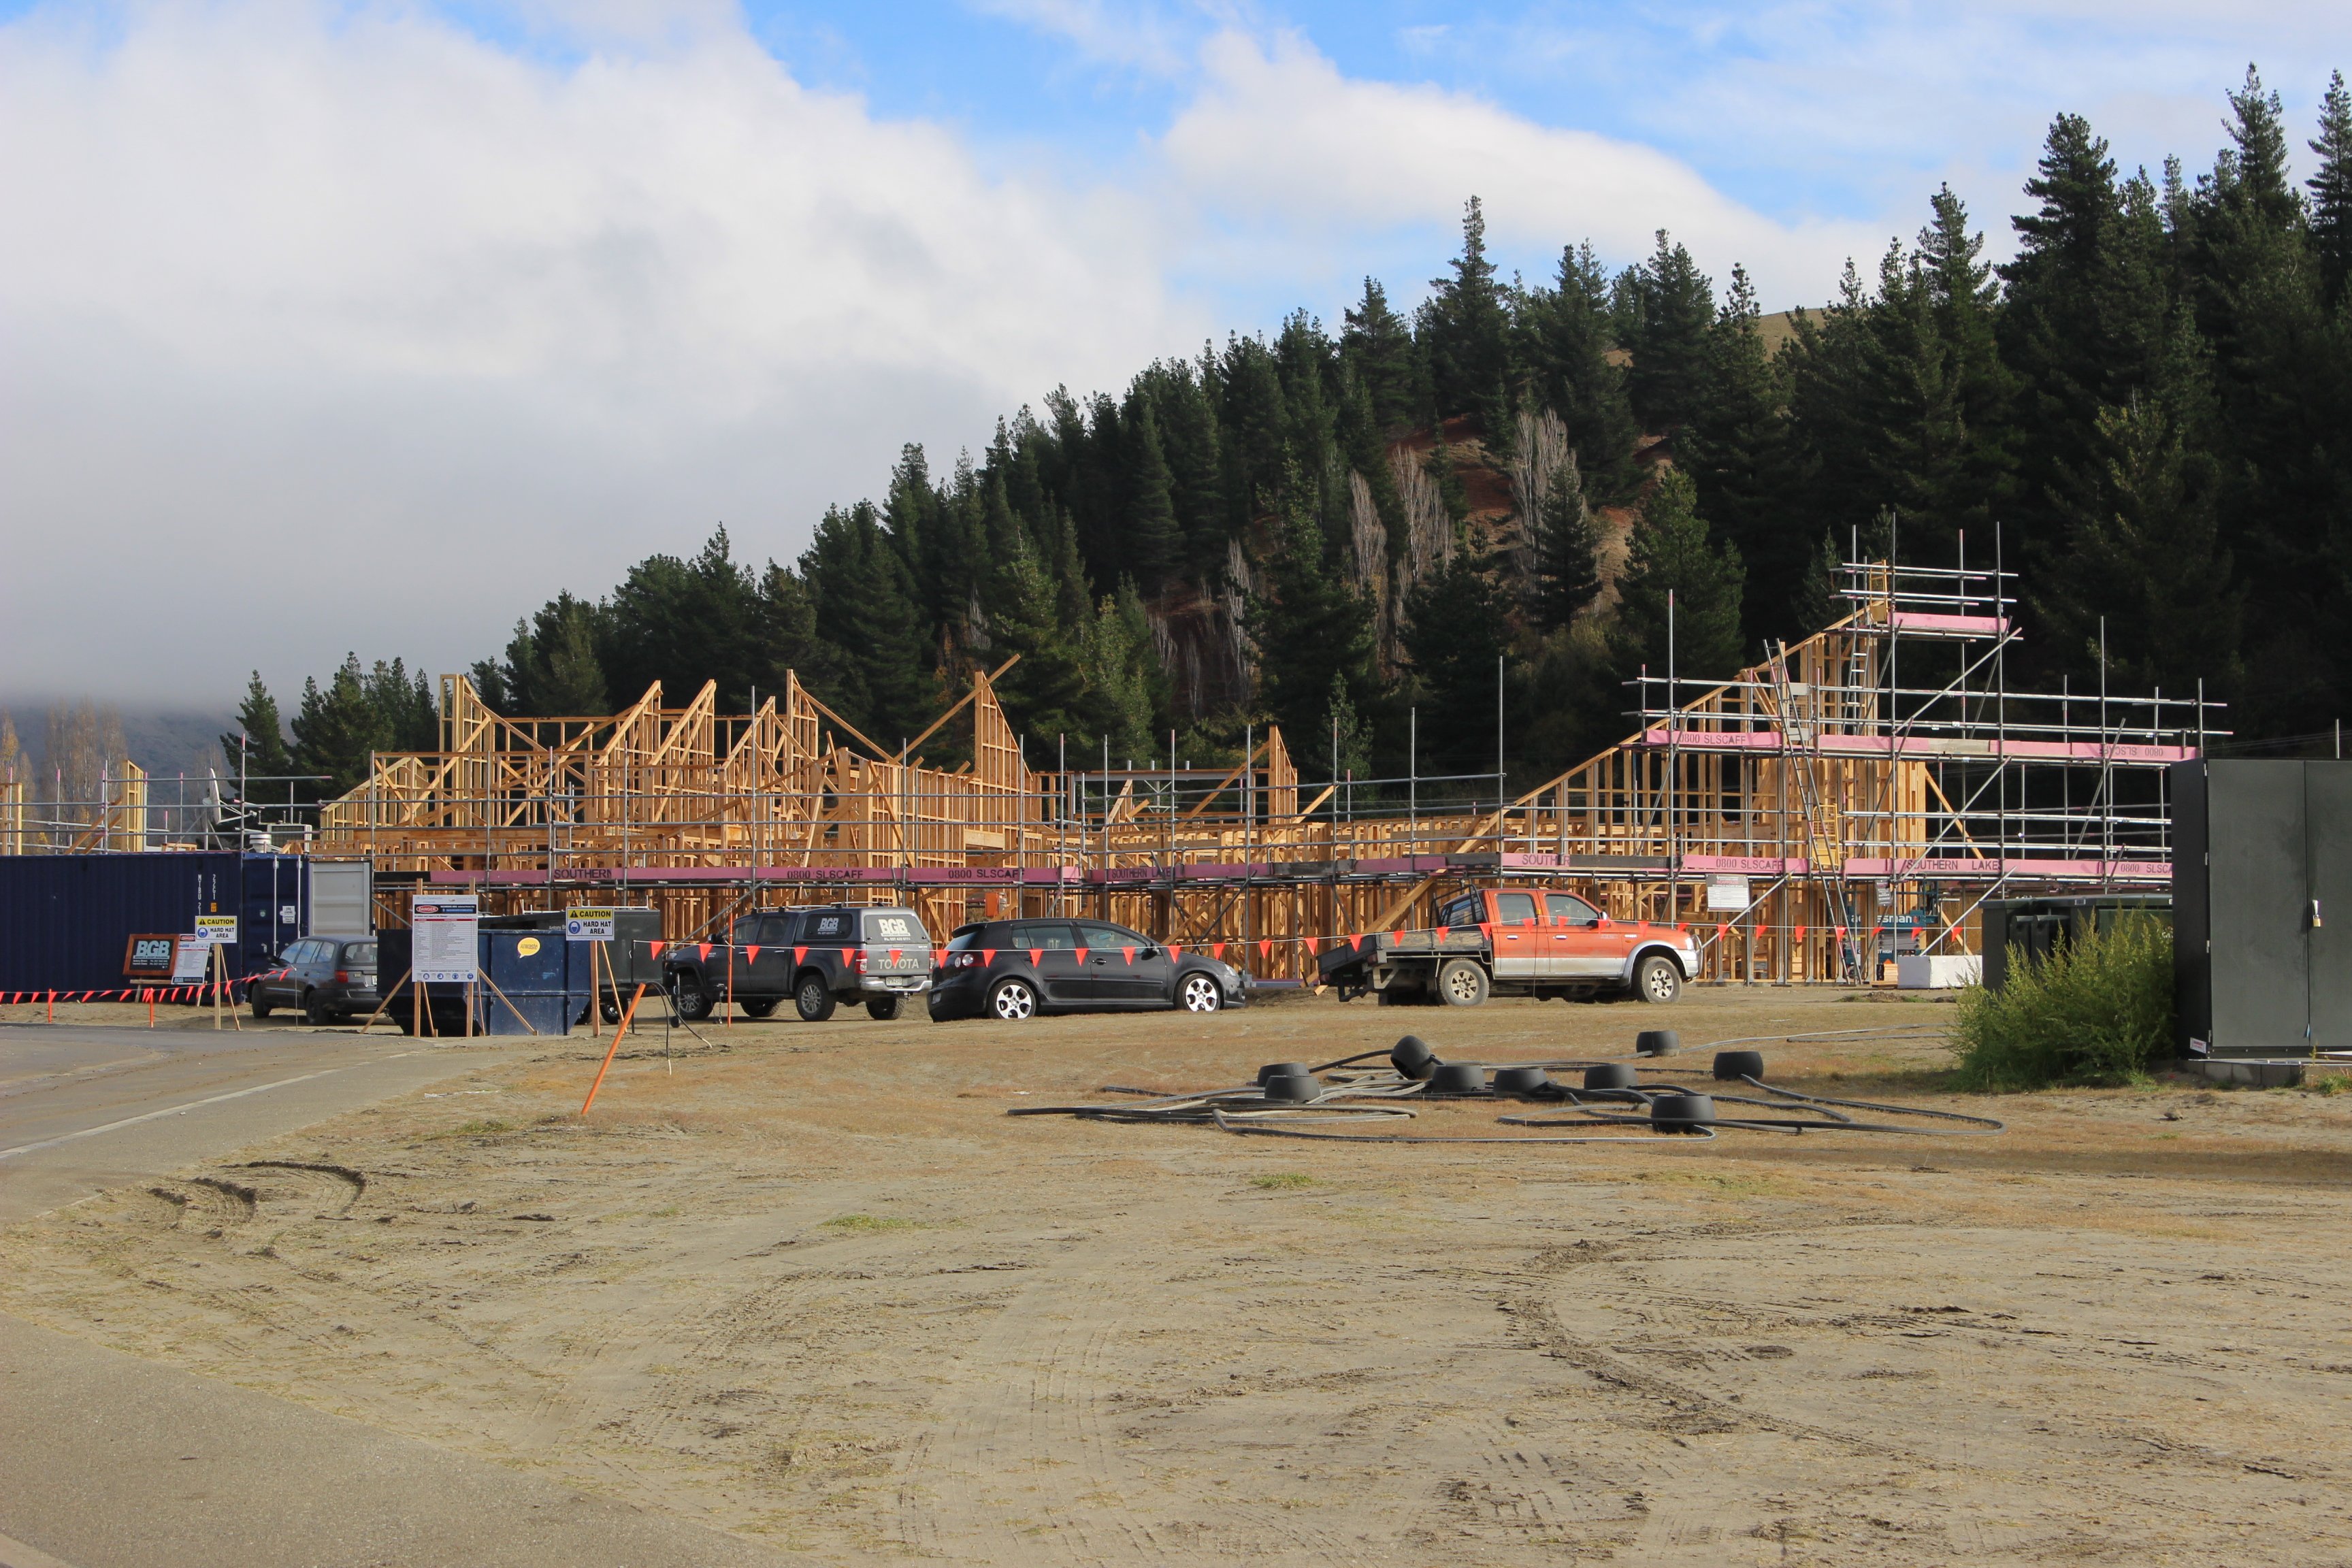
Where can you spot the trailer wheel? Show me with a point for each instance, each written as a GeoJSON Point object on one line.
{"type": "Point", "coordinates": [1462, 984]}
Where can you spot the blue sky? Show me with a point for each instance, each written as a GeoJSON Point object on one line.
{"type": "Point", "coordinates": [461, 304]}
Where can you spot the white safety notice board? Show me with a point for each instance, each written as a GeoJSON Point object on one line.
{"type": "Point", "coordinates": [443, 929]}
{"type": "Point", "coordinates": [191, 960]}
{"type": "Point", "coordinates": [218, 929]}
{"type": "Point", "coordinates": [582, 923]}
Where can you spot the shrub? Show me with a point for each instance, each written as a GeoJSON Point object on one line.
{"type": "Point", "coordinates": [2097, 1010]}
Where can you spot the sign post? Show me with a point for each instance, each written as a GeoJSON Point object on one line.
{"type": "Point", "coordinates": [592, 924]}
{"type": "Point", "coordinates": [218, 932]}
{"type": "Point", "coordinates": [445, 938]}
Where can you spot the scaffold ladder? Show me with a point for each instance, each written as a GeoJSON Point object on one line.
{"type": "Point", "coordinates": [1799, 751]}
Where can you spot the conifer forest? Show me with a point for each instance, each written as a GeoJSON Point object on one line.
{"type": "Point", "coordinates": [1357, 529]}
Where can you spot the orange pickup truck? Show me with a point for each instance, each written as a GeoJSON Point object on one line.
{"type": "Point", "coordinates": [1518, 942]}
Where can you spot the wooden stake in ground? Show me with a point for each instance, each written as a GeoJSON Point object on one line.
{"type": "Point", "coordinates": [384, 1001]}
{"type": "Point", "coordinates": [510, 1007]}
{"type": "Point", "coordinates": [622, 1028]}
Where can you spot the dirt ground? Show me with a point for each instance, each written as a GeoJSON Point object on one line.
{"type": "Point", "coordinates": [815, 1286]}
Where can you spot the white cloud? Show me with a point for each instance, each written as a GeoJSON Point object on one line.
{"type": "Point", "coordinates": [1277, 132]}
{"type": "Point", "coordinates": [328, 328]}
{"type": "Point", "coordinates": [326, 331]}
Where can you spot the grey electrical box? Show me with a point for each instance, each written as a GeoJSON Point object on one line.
{"type": "Point", "coordinates": [2262, 888]}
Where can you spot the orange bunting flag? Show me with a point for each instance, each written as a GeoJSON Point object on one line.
{"type": "Point", "coordinates": [752, 954]}
{"type": "Point", "coordinates": [1082, 953]}
{"type": "Point", "coordinates": [1841, 930]}
{"type": "Point", "coordinates": [1722, 931]}
{"type": "Point", "coordinates": [1444, 932]}
{"type": "Point", "coordinates": [1037, 955]}
{"type": "Point", "coordinates": [799, 953]}
{"type": "Point", "coordinates": [1357, 941]}
{"type": "Point", "coordinates": [1486, 930]}
{"type": "Point", "coordinates": [1130, 953]}
{"type": "Point", "coordinates": [1218, 948]}
{"type": "Point", "coordinates": [1801, 933]}
{"type": "Point", "coordinates": [1174, 953]}
{"type": "Point", "coordinates": [895, 952]}
{"type": "Point", "coordinates": [656, 947]}
{"type": "Point", "coordinates": [988, 958]}
{"type": "Point", "coordinates": [702, 951]}
{"type": "Point", "coordinates": [1266, 950]}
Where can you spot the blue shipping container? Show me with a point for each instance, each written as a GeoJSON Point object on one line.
{"type": "Point", "coordinates": [66, 919]}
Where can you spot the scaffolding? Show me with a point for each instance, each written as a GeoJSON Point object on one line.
{"type": "Point", "coordinates": [1853, 795]}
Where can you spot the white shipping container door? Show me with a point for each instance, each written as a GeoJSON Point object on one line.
{"type": "Point", "coordinates": [340, 903]}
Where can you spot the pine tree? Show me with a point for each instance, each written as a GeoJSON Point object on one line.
{"type": "Point", "coordinates": [1043, 694]}
{"type": "Point", "coordinates": [1446, 474]}
{"type": "Point", "coordinates": [1348, 736]}
{"type": "Point", "coordinates": [866, 608]}
{"type": "Point", "coordinates": [1153, 540]}
{"type": "Point", "coordinates": [259, 738]}
{"type": "Point", "coordinates": [789, 641]}
{"type": "Point", "coordinates": [1309, 627]}
{"type": "Point", "coordinates": [1456, 642]}
{"type": "Point", "coordinates": [1671, 554]}
{"type": "Point", "coordinates": [2331, 193]}
{"type": "Point", "coordinates": [337, 730]}
{"type": "Point", "coordinates": [683, 622]}
{"type": "Point", "coordinates": [2086, 323]}
{"type": "Point", "coordinates": [2146, 555]}
{"type": "Point", "coordinates": [1377, 345]}
{"type": "Point", "coordinates": [1188, 431]}
{"type": "Point", "coordinates": [1256, 427]}
{"type": "Point", "coordinates": [408, 714]}
{"type": "Point", "coordinates": [1675, 302]}
{"type": "Point", "coordinates": [1569, 345]}
{"type": "Point", "coordinates": [1122, 675]}
{"type": "Point", "coordinates": [1819, 603]}
{"type": "Point", "coordinates": [1464, 332]}
{"type": "Point", "coordinates": [551, 666]}
{"type": "Point", "coordinates": [1367, 453]}
{"type": "Point", "coordinates": [1734, 451]}
{"type": "Point", "coordinates": [1567, 576]}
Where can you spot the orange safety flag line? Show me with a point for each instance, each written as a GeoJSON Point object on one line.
{"type": "Point", "coordinates": [1130, 953]}
{"type": "Point", "coordinates": [988, 958]}
{"type": "Point", "coordinates": [1036, 956]}
{"type": "Point", "coordinates": [1174, 952]}
{"type": "Point", "coordinates": [1218, 948]}
{"type": "Point", "coordinates": [1444, 932]}
{"type": "Point", "coordinates": [1082, 954]}
{"type": "Point", "coordinates": [799, 953]}
{"type": "Point", "coordinates": [1801, 933]}
{"type": "Point", "coordinates": [751, 955]}
{"type": "Point", "coordinates": [702, 952]}
{"type": "Point", "coordinates": [656, 947]}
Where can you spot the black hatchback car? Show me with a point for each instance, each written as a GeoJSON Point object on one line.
{"type": "Point", "coordinates": [1015, 969]}
{"type": "Point", "coordinates": [330, 978]}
